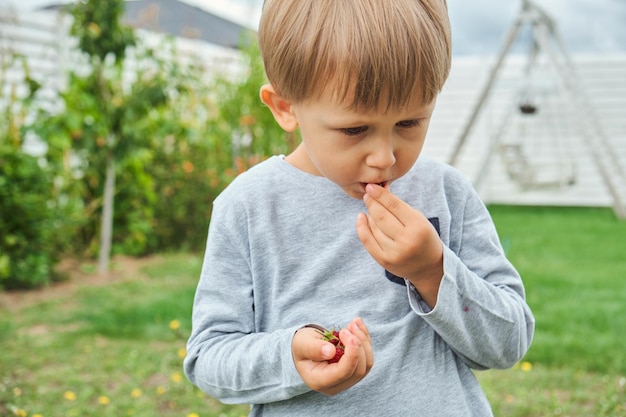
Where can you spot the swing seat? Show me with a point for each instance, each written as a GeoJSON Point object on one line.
{"type": "Point", "coordinates": [535, 175]}
{"type": "Point", "coordinates": [527, 108]}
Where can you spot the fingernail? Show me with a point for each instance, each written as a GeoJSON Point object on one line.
{"type": "Point", "coordinates": [327, 351]}
{"type": "Point", "coordinates": [373, 190]}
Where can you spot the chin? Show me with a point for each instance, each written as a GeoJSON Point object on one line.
{"type": "Point", "coordinates": [353, 192]}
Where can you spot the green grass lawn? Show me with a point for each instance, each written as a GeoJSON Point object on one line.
{"type": "Point", "coordinates": [573, 261]}
{"type": "Point", "coordinates": [116, 349]}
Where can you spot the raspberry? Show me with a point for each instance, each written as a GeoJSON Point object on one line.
{"type": "Point", "coordinates": [338, 354]}
{"type": "Point", "coordinates": [332, 336]}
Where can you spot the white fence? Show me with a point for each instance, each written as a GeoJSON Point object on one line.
{"type": "Point", "coordinates": [41, 40]}
{"type": "Point", "coordinates": [35, 46]}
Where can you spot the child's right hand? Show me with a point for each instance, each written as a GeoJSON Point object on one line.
{"type": "Point", "coordinates": [311, 354]}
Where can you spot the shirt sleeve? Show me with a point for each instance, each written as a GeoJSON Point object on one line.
{"type": "Point", "coordinates": [481, 310]}
{"type": "Point", "coordinates": [226, 356]}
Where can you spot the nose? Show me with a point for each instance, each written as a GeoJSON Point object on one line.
{"type": "Point", "coordinates": [381, 155]}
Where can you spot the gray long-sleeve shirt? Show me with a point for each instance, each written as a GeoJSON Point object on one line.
{"type": "Point", "coordinates": [283, 251]}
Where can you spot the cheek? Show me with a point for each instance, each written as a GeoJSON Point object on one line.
{"type": "Point", "coordinates": [407, 155]}
{"type": "Point", "coordinates": [340, 168]}
{"type": "Point", "coordinates": [337, 165]}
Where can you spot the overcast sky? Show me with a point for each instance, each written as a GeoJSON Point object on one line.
{"type": "Point", "coordinates": [478, 26]}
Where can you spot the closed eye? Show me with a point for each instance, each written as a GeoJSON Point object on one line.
{"type": "Point", "coordinates": [353, 131]}
{"type": "Point", "coordinates": [408, 123]}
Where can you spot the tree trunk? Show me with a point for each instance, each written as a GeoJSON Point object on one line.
{"type": "Point", "coordinates": [106, 230]}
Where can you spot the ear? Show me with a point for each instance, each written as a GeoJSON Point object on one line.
{"type": "Point", "coordinates": [280, 108]}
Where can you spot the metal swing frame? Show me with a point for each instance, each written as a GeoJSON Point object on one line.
{"type": "Point", "coordinates": [527, 173]}
{"type": "Point", "coordinates": [548, 39]}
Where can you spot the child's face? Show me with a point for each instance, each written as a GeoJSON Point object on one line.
{"type": "Point", "coordinates": [354, 148]}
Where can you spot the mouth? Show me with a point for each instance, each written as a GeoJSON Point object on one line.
{"type": "Point", "coordinates": [381, 184]}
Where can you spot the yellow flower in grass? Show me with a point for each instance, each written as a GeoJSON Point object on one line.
{"type": "Point", "coordinates": [174, 324]}
{"type": "Point", "coordinates": [136, 393]}
{"type": "Point", "coordinates": [160, 390]}
{"type": "Point", "coordinates": [526, 366]}
{"type": "Point", "coordinates": [193, 415]}
{"type": "Point", "coordinates": [182, 352]}
{"type": "Point", "coordinates": [69, 396]}
{"type": "Point", "coordinates": [20, 412]}
{"type": "Point", "coordinates": [37, 415]}
{"type": "Point", "coordinates": [104, 400]}
{"type": "Point", "coordinates": [177, 378]}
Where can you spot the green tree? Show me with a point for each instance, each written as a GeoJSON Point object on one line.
{"type": "Point", "coordinates": [101, 128]}
{"type": "Point", "coordinates": [101, 35]}
{"type": "Point", "coordinates": [174, 130]}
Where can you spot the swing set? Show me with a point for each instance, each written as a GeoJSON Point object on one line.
{"type": "Point", "coordinates": [549, 109]}
{"type": "Point", "coordinates": [531, 139]}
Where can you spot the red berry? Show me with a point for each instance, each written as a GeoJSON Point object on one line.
{"type": "Point", "coordinates": [338, 354]}
{"type": "Point", "coordinates": [332, 336]}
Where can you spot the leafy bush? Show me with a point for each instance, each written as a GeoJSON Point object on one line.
{"type": "Point", "coordinates": [204, 151]}
{"type": "Point", "coordinates": [32, 218]}
{"type": "Point", "coordinates": [176, 137]}
{"type": "Point", "coordinates": [27, 222]}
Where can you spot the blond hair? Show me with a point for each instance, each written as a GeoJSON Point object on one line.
{"type": "Point", "coordinates": [372, 50]}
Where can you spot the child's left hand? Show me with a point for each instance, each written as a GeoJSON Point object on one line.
{"type": "Point", "coordinates": [402, 240]}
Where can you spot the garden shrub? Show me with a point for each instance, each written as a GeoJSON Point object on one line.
{"type": "Point", "coordinates": [173, 133]}
{"type": "Point", "coordinates": [33, 215]}
{"type": "Point", "coordinates": [29, 222]}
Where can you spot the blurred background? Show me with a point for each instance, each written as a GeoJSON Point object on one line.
{"type": "Point", "coordinates": [121, 121]}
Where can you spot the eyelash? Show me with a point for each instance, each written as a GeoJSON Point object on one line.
{"type": "Point", "coordinates": [355, 131]}
{"type": "Point", "coordinates": [409, 123]}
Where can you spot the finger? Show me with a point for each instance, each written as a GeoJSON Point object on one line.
{"type": "Point", "coordinates": [365, 234]}
{"type": "Point", "coordinates": [399, 222]}
{"type": "Point", "coordinates": [383, 196]}
{"type": "Point", "coordinates": [314, 348]}
{"type": "Point", "coordinates": [352, 346]}
{"type": "Point", "coordinates": [362, 344]}
{"type": "Point", "coordinates": [383, 223]}
{"type": "Point", "coordinates": [384, 226]}
{"type": "Point", "coordinates": [358, 328]}
{"type": "Point", "coordinates": [376, 242]}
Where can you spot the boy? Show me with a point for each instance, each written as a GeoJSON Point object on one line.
{"type": "Point", "coordinates": [420, 282]}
